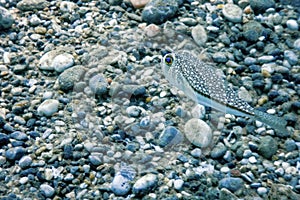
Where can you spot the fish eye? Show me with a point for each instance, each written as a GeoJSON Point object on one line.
{"type": "Point", "coordinates": [169, 60]}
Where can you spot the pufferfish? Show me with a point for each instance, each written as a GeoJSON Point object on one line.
{"type": "Point", "coordinates": [201, 82]}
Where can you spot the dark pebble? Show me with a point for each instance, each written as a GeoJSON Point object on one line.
{"type": "Point", "coordinates": [158, 11]}
{"type": "Point", "coordinates": [232, 184]}
{"type": "Point", "coordinates": [170, 136]}
{"type": "Point", "coordinates": [260, 6]}
{"type": "Point", "coordinates": [277, 78]}
{"type": "Point", "coordinates": [267, 147]}
{"type": "Point", "coordinates": [68, 151]}
{"type": "Point", "coordinates": [290, 145]}
{"type": "Point", "coordinates": [15, 153]}
{"type": "Point", "coordinates": [18, 135]}
{"type": "Point", "coordinates": [218, 151]}
{"type": "Point", "coordinates": [34, 134]}
{"type": "Point", "coordinates": [273, 94]}
{"type": "Point", "coordinates": [4, 139]}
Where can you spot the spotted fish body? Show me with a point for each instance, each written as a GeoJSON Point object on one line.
{"type": "Point", "coordinates": [204, 84]}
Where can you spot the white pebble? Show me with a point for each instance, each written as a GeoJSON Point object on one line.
{"type": "Point", "coordinates": [292, 24]}
{"type": "Point", "coordinates": [178, 183]}
{"type": "Point", "coordinates": [262, 190]}
{"type": "Point", "coordinates": [252, 160]}
{"type": "Point", "coordinates": [48, 107]}
{"type": "Point", "coordinates": [23, 180]}
{"type": "Point", "coordinates": [232, 13]}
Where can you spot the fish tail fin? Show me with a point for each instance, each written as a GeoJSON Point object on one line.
{"type": "Point", "coordinates": [275, 122]}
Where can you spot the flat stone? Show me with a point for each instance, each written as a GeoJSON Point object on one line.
{"type": "Point", "coordinates": [48, 107]}
{"type": "Point", "coordinates": [70, 76]}
{"type": "Point", "coordinates": [159, 11]}
{"type": "Point", "coordinates": [199, 35]}
{"type": "Point", "coordinates": [30, 5]}
{"type": "Point", "coordinates": [232, 13]}
{"type": "Point", "coordinates": [198, 133]}
{"type": "Point", "coordinates": [232, 184]}
{"type": "Point", "coordinates": [145, 184]}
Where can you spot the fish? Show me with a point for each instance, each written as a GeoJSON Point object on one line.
{"type": "Point", "coordinates": [202, 82]}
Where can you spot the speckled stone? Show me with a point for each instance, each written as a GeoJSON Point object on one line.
{"type": "Point", "coordinates": [199, 35]}
{"type": "Point", "coordinates": [158, 11]}
{"type": "Point", "coordinates": [70, 76]}
{"type": "Point", "coordinates": [260, 6]}
{"type": "Point", "coordinates": [6, 19]}
{"type": "Point", "coordinates": [144, 184]}
{"type": "Point", "coordinates": [267, 147]}
{"type": "Point", "coordinates": [232, 13]}
{"type": "Point", "coordinates": [30, 5]}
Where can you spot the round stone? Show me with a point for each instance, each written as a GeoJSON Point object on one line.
{"type": "Point", "coordinates": [15, 153]}
{"type": "Point", "coordinates": [98, 84]}
{"type": "Point", "coordinates": [139, 3]}
{"type": "Point", "coordinates": [267, 147]}
{"type": "Point", "coordinates": [252, 31]}
{"type": "Point", "coordinates": [198, 133]}
{"type": "Point", "coordinates": [25, 162]}
{"type": "Point", "coordinates": [70, 76]}
{"type": "Point", "coordinates": [178, 184]}
{"type": "Point", "coordinates": [6, 19]}
{"type": "Point", "coordinates": [48, 107]}
{"type": "Point", "coordinates": [292, 24]}
{"type": "Point", "coordinates": [120, 185]}
{"type": "Point", "coordinates": [233, 13]}
{"type": "Point", "coordinates": [218, 151]}
{"type": "Point", "coordinates": [297, 44]}
{"type": "Point", "coordinates": [262, 191]}
{"type": "Point", "coordinates": [145, 184]}
{"type": "Point", "coordinates": [63, 62]}
{"type": "Point", "coordinates": [47, 190]}
{"type": "Point", "coordinates": [199, 35]}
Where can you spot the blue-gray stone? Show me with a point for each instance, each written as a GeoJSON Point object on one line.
{"type": "Point", "coordinates": [68, 151]}
{"type": "Point", "coordinates": [98, 84]}
{"type": "Point", "coordinates": [260, 6]}
{"type": "Point", "coordinates": [159, 11]}
{"type": "Point", "coordinates": [95, 160]}
{"type": "Point", "coordinates": [47, 190]}
{"type": "Point", "coordinates": [232, 184]}
{"type": "Point", "coordinates": [120, 185]}
{"type": "Point", "coordinates": [15, 153]}
{"type": "Point", "coordinates": [218, 151]}
{"type": "Point", "coordinates": [252, 31]}
{"type": "Point", "coordinates": [25, 162]}
{"type": "Point", "coordinates": [6, 19]}
{"type": "Point", "coordinates": [70, 76]}
{"type": "Point", "coordinates": [18, 135]}
{"type": "Point", "coordinates": [267, 147]}
{"type": "Point", "coordinates": [291, 57]}
{"type": "Point", "coordinates": [170, 136]}
{"type": "Point", "coordinates": [4, 139]}
{"type": "Point", "coordinates": [145, 184]}
{"type": "Point", "coordinates": [290, 145]}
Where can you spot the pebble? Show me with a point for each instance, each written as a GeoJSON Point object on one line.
{"type": "Point", "coordinates": [170, 136]}
{"type": "Point", "coordinates": [159, 11]}
{"type": "Point", "coordinates": [232, 184]}
{"type": "Point", "coordinates": [18, 135]}
{"type": "Point", "coordinates": [260, 6]}
{"type": "Point", "coordinates": [98, 84]}
{"type": "Point", "coordinates": [267, 147]}
{"type": "Point", "coordinates": [48, 107]}
{"type": "Point", "coordinates": [232, 13]}
{"type": "Point", "coordinates": [70, 76]}
{"type": "Point", "coordinates": [252, 31]}
{"type": "Point", "coordinates": [4, 139]}
{"type": "Point", "coordinates": [218, 151]}
{"type": "Point", "coordinates": [139, 3]}
{"type": "Point", "coordinates": [23, 180]}
{"type": "Point", "coordinates": [30, 5]}
{"type": "Point", "coordinates": [198, 133]}
{"type": "Point", "coordinates": [290, 145]}
{"type": "Point", "coordinates": [15, 153]}
{"type": "Point", "coordinates": [152, 30]}
{"type": "Point", "coordinates": [292, 24]}
{"type": "Point", "coordinates": [6, 19]}
{"type": "Point", "coordinates": [199, 35]}
{"type": "Point", "coordinates": [262, 191]}
{"type": "Point", "coordinates": [120, 185]}
{"type": "Point", "coordinates": [145, 184]}
{"type": "Point", "coordinates": [178, 184]}
{"type": "Point", "coordinates": [47, 190]}
{"type": "Point", "coordinates": [56, 60]}
{"type": "Point", "coordinates": [196, 152]}
{"type": "Point", "coordinates": [297, 44]}
{"type": "Point", "coordinates": [291, 57]}
{"type": "Point", "coordinates": [25, 162]}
